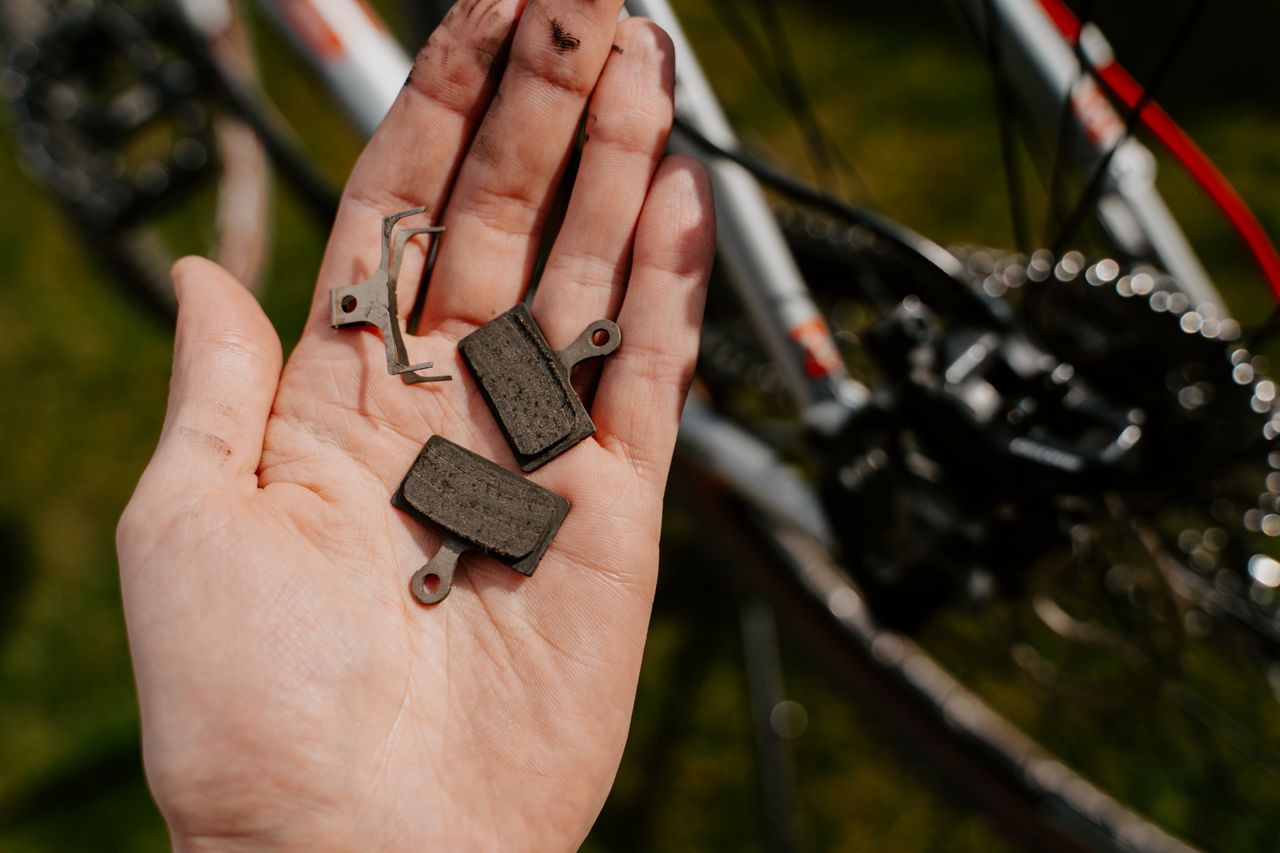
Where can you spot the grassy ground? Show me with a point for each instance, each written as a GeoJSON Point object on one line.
{"type": "Point", "coordinates": [86, 375]}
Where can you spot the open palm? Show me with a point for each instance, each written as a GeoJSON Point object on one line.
{"type": "Point", "coordinates": [293, 693]}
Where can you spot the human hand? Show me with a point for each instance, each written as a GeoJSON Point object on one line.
{"type": "Point", "coordinates": [293, 694]}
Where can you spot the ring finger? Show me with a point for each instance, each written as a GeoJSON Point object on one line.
{"type": "Point", "coordinates": [628, 122]}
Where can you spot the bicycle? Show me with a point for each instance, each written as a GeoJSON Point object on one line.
{"type": "Point", "coordinates": [820, 386]}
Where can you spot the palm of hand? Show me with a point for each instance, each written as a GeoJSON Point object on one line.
{"type": "Point", "coordinates": [292, 691]}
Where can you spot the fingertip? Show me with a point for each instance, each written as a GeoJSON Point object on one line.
{"type": "Point", "coordinates": [192, 273]}
{"type": "Point", "coordinates": [640, 39]}
{"type": "Point", "coordinates": [686, 174]}
{"type": "Point", "coordinates": [638, 80]}
{"type": "Point", "coordinates": [213, 306]}
{"type": "Point", "coordinates": [182, 272]}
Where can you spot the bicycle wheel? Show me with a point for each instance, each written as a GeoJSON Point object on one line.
{"type": "Point", "coordinates": [116, 116]}
{"type": "Point", "coordinates": [1097, 603]}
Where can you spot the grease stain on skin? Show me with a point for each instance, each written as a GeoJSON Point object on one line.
{"type": "Point", "coordinates": [486, 52]}
{"type": "Point", "coordinates": [486, 12]}
{"type": "Point", "coordinates": [482, 24]}
{"type": "Point", "coordinates": [485, 147]}
{"type": "Point", "coordinates": [208, 442]}
{"type": "Point", "coordinates": [562, 40]}
{"type": "Point", "coordinates": [491, 49]}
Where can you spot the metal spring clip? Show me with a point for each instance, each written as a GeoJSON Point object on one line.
{"type": "Point", "coordinates": [373, 301]}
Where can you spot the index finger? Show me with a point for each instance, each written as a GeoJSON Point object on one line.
{"type": "Point", "coordinates": [414, 156]}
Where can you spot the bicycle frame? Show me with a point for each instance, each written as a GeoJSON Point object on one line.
{"type": "Point", "coordinates": [364, 68]}
{"type": "Point", "coordinates": [354, 53]}
{"type": "Point", "coordinates": [1048, 73]}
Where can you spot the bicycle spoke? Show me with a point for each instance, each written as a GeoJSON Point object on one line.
{"type": "Point", "coordinates": [824, 152]}
{"type": "Point", "coordinates": [1005, 114]}
{"type": "Point", "coordinates": [1064, 147]}
{"type": "Point", "coordinates": [783, 83]}
{"type": "Point", "coordinates": [1093, 187]}
{"type": "Point", "coordinates": [1223, 726]}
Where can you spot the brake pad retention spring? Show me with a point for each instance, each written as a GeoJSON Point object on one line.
{"type": "Point", "coordinates": [373, 301]}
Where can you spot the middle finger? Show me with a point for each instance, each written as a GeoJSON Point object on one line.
{"type": "Point", "coordinates": [500, 203]}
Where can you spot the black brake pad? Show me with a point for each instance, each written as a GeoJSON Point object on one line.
{"type": "Point", "coordinates": [477, 505]}
{"type": "Point", "coordinates": [526, 383]}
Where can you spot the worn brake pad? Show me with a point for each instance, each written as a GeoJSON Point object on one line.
{"type": "Point", "coordinates": [477, 505]}
{"type": "Point", "coordinates": [526, 383]}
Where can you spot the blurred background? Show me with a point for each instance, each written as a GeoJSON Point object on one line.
{"type": "Point", "coordinates": [906, 98]}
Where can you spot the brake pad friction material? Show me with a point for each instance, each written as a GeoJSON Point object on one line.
{"type": "Point", "coordinates": [526, 383]}
{"type": "Point", "coordinates": [478, 505]}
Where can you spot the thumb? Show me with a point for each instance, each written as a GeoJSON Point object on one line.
{"type": "Point", "coordinates": [226, 368]}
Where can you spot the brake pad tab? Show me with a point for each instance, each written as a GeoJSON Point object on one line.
{"type": "Point", "coordinates": [477, 505]}
{"type": "Point", "coordinates": [526, 383]}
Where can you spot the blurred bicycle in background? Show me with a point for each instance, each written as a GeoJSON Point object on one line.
{"type": "Point", "coordinates": [1023, 502]}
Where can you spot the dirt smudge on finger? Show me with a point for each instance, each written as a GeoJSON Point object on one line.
{"type": "Point", "coordinates": [562, 40]}
{"type": "Point", "coordinates": [485, 147]}
{"type": "Point", "coordinates": [208, 442]}
{"type": "Point", "coordinates": [492, 48]}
